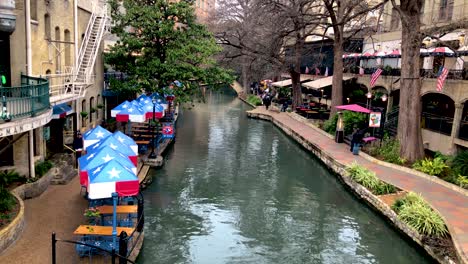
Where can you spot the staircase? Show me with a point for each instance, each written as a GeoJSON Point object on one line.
{"type": "Point", "coordinates": [73, 84]}
{"type": "Point", "coordinates": [89, 49]}
{"type": "Point", "coordinates": [391, 124]}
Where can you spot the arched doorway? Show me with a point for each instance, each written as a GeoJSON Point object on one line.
{"type": "Point", "coordinates": [463, 132]}
{"type": "Point", "coordinates": [437, 113]}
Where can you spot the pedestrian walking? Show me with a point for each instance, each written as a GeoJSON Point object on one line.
{"type": "Point", "coordinates": [357, 137]}
{"type": "Point", "coordinates": [267, 101]}
{"type": "Point", "coordinates": [77, 146]}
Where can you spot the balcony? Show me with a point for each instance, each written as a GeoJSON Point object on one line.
{"type": "Point", "coordinates": [425, 73]}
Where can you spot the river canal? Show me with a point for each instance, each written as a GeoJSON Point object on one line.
{"type": "Point", "coordinates": [237, 190]}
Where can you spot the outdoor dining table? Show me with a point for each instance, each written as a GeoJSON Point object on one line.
{"type": "Point", "coordinates": [101, 230]}
{"type": "Point", "coordinates": [121, 209]}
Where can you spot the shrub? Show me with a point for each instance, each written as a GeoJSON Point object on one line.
{"type": "Point", "coordinates": [432, 167]}
{"type": "Point", "coordinates": [462, 181]}
{"type": "Point", "coordinates": [369, 180]}
{"type": "Point", "coordinates": [7, 200]}
{"type": "Point", "coordinates": [414, 211]}
{"type": "Point", "coordinates": [254, 100]}
{"type": "Point", "coordinates": [42, 168]}
{"type": "Point", "coordinates": [350, 120]}
{"type": "Point", "coordinates": [389, 151]}
{"type": "Point", "coordinates": [7, 177]}
{"type": "Point", "coordinates": [460, 163]}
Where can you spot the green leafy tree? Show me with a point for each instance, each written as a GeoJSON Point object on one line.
{"type": "Point", "coordinates": [160, 42]}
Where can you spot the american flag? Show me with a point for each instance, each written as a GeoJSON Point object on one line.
{"type": "Point", "coordinates": [443, 72]}
{"type": "Point", "coordinates": [361, 71]}
{"type": "Point", "coordinates": [375, 76]}
{"type": "Point", "coordinates": [317, 71]}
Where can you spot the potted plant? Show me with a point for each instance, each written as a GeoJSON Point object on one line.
{"type": "Point", "coordinates": [92, 110]}
{"type": "Point", "coordinates": [84, 114]}
{"type": "Point", "coordinates": [100, 106]}
{"type": "Point", "coordinates": [93, 214]}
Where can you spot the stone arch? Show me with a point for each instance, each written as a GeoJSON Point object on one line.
{"type": "Point", "coordinates": [57, 50]}
{"type": "Point", "coordinates": [67, 38]}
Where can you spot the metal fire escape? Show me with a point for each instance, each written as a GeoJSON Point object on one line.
{"type": "Point", "coordinates": [82, 76]}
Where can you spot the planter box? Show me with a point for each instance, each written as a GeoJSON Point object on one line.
{"type": "Point", "coordinates": [34, 189]}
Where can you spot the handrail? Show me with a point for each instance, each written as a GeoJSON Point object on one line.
{"type": "Point", "coordinates": [67, 147]}
{"type": "Point", "coordinates": [30, 98]}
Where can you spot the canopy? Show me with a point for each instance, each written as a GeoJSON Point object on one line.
{"type": "Point", "coordinates": [112, 177]}
{"type": "Point", "coordinates": [126, 140]}
{"type": "Point", "coordinates": [323, 82]}
{"type": "Point", "coordinates": [103, 155]}
{"type": "Point", "coordinates": [133, 114]}
{"type": "Point", "coordinates": [115, 145]}
{"type": "Point", "coordinates": [119, 108]}
{"type": "Point", "coordinates": [288, 82]}
{"type": "Point", "coordinates": [95, 135]}
{"type": "Point", "coordinates": [148, 110]}
{"type": "Point", "coordinates": [61, 111]}
{"type": "Point", "coordinates": [354, 108]}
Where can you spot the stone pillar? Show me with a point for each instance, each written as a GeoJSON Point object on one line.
{"type": "Point", "coordinates": [20, 155]}
{"type": "Point", "coordinates": [456, 126]}
{"type": "Point", "coordinates": [40, 143]}
{"type": "Point", "coordinates": [32, 172]}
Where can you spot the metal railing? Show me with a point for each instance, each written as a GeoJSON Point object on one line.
{"type": "Point", "coordinates": [27, 100]}
{"type": "Point", "coordinates": [437, 123]}
{"type": "Point", "coordinates": [425, 73]}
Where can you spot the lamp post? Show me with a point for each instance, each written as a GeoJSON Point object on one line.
{"type": "Point", "coordinates": [152, 155]}
{"type": "Point", "coordinates": [369, 96]}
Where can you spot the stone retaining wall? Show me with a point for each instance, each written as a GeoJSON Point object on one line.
{"type": "Point", "coordinates": [357, 189]}
{"type": "Point", "coordinates": [9, 234]}
{"type": "Point", "coordinates": [34, 189]}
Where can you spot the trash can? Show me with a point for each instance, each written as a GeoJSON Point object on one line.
{"type": "Point", "coordinates": [356, 148]}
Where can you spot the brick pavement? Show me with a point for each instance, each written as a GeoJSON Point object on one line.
{"type": "Point", "coordinates": [452, 205]}
{"type": "Point", "coordinates": [59, 209]}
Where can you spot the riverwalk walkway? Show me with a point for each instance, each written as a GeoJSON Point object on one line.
{"type": "Point", "coordinates": [452, 205]}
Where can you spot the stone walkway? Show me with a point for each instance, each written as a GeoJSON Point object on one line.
{"type": "Point", "coordinates": [59, 209]}
{"type": "Point", "coordinates": [452, 205]}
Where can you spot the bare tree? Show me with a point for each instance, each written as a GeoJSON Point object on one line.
{"type": "Point", "coordinates": [348, 18]}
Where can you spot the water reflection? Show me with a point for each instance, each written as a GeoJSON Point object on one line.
{"type": "Point", "coordinates": [235, 190]}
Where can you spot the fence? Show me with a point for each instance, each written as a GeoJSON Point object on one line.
{"type": "Point", "coordinates": [437, 123]}
{"type": "Point", "coordinates": [126, 243]}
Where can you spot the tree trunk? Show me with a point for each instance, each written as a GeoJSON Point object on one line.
{"type": "Point", "coordinates": [295, 73]}
{"type": "Point", "coordinates": [409, 118]}
{"type": "Point", "coordinates": [245, 74]}
{"type": "Point", "coordinates": [337, 83]}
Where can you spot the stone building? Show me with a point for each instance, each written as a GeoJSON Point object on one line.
{"type": "Point", "coordinates": [52, 65]}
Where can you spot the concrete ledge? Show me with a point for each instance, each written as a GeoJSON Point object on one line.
{"type": "Point", "coordinates": [10, 233]}
{"type": "Point", "coordinates": [34, 189]}
{"type": "Point", "coordinates": [340, 169]}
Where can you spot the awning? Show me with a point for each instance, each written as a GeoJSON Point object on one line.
{"type": "Point", "coordinates": [354, 108]}
{"type": "Point", "coordinates": [61, 111]}
{"type": "Point", "coordinates": [323, 82]}
{"type": "Point", "coordinates": [288, 82]}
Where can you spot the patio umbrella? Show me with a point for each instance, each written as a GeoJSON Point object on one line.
{"type": "Point", "coordinates": [132, 114]}
{"type": "Point", "coordinates": [354, 108]}
{"type": "Point", "coordinates": [126, 140]}
{"type": "Point", "coordinates": [111, 177]}
{"type": "Point", "coordinates": [102, 155]}
{"type": "Point", "coordinates": [94, 135]}
{"type": "Point", "coordinates": [148, 110]}
{"type": "Point", "coordinates": [61, 111]}
{"type": "Point", "coordinates": [441, 51]}
{"type": "Point", "coordinates": [119, 108]}
{"type": "Point", "coordinates": [115, 145]}
{"type": "Point", "coordinates": [163, 100]}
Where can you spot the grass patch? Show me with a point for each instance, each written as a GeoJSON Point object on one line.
{"type": "Point", "coordinates": [254, 100]}
{"type": "Point", "coordinates": [416, 212]}
{"type": "Point", "coordinates": [369, 180]}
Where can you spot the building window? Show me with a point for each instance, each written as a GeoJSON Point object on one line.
{"type": "Point", "coordinates": [98, 102]}
{"type": "Point", "coordinates": [6, 151]}
{"type": "Point", "coordinates": [91, 109]}
{"type": "Point", "coordinates": [83, 109]}
{"type": "Point", "coordinates": [446, 9]}
{"type": "Point", "coordinates": [67, 48]}
{"type": "Point", "coordinates": [33, 7]}
{"type": "Point", "coordinates": [57, 50]}
{"type": "Point", "coordinates": [395, 22]}
{"type": "Point", "coordinates": [47, 26]}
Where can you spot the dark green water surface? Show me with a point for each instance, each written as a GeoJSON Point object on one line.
{"type": "Point", "coordinates": [237, 190]}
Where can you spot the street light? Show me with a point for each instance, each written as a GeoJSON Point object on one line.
{"type": "Point", "coordinates": [384, 98]}
{"type": "Point", "coordinates": [152, 155]}
{"type": "Point", "coordinates": [369, 96]}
